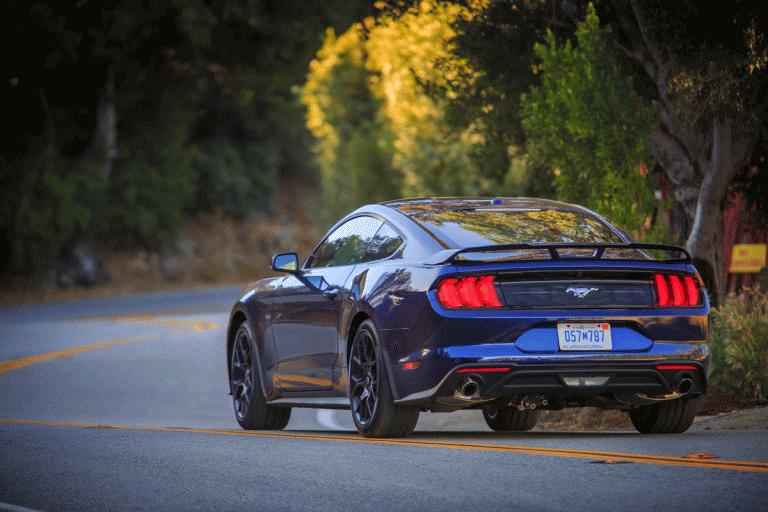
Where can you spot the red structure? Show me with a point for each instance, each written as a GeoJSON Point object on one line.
{"type": "Point", "coordinates": [734, 233]}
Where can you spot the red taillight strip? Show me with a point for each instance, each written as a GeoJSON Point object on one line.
{"type": "Point", "coordinates": [486, 292]}
{"type": "Point", "coordinates": [691, 290]}
{"type": "Point", "coordinates": [465, 289]}
{"type": "Point", "coordinates": [676, 367]}
{"type": "Point", "coordinates": [678, 292]}
{"type": "Point", "coordinates": [662, 290]}
{"type": "Point", "coordinates": [470, 292]}
{"type": "Point", "coordinates": [446, 294]}
{"type": "Point", "coordinates": [475, 370]}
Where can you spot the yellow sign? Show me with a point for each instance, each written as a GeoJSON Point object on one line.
{"type": "Point", "coordinates": [748, 258]}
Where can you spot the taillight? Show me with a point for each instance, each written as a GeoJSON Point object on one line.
{"type": "Point", "coordinates": [672, 290]}
{"type": "Point", "coordinates": [662, 290]}
{"type": "Point", "coordinates": [446, 294]}
{"type": "Point", "coordinates": [468, 292]}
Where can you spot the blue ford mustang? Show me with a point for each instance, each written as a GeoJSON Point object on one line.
{"type": "Point", "coordinates": [509, 305]}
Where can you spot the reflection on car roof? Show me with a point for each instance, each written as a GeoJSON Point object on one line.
{"type": "Point", "coordinates": [418, 206]}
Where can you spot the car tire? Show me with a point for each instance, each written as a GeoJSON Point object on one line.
{"type": "Point", "coordinates": [251, 409]}
{"type": "Point", "coordinates": [370, 396]}
{"type": "Point", "coordinates": [510, 419]}
{"type": "Point", "coordinates": [667, 417]}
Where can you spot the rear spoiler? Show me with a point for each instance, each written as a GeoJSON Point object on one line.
{"type": "Point", "coordinates": [553, 250]}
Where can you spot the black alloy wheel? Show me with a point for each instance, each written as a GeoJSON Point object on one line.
{"type": "Point", "coordinates": [373, 409]}
{"type": "Point", "coordinates": [251, 409]}
{"type": "Point", "coordinates": [667, 417]}
{"type": "Point", "coordinates": [510, 419]}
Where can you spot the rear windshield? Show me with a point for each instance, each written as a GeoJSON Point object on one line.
{"type": "Point", "coordinates": [477, 228]}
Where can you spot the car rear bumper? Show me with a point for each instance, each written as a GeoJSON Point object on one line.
{"type": "Point", "coordinates": [466, 376]}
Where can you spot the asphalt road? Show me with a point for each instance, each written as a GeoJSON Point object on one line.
{"type": "Point", "coordinates": [122, 404]}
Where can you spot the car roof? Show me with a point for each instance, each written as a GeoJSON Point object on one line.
{"type": "Point", "coordinates": [418, 206]}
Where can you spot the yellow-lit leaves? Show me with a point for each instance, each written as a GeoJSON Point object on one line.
{"type": "Point", "coordinates": [377, 97]}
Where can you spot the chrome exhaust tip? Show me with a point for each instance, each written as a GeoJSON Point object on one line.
{"type": "Point", "coordinates": [468, 389]}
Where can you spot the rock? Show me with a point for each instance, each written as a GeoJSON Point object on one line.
{"type": "Point", "coordinates": [187, 245]}
{"type": "Point", "coordinates": [717, 401]}
{"type": "Point", "coordinates": [81, 264]}
{"type": "Point", "coordinates": [169, 267]}
{"type": "Point", "coordinates": [139, 265]}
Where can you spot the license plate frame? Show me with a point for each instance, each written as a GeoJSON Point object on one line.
{"type": "Point", "coordinates": [584, 337]}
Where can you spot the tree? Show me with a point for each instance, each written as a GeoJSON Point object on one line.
{"type": "Point", "coordinates": [87, 100]}
{"type": "Point", "coordinates": [710, 89]}
{"type": "Point", "coordinates": [353, 147]}
{"type": "Point", "coordinates": [377, 100]}
{"type": "Point", "coordinates": [587, 122]}
{"type": "Point", "coordinates": [703, 64]}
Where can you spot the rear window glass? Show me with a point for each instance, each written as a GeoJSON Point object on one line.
{"type": "Point", "coordinates": [477, 228]}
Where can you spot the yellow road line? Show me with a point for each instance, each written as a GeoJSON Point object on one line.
{"type": "Point", "coordinates": [21, 362]}
{"type": "Point", "coordinates": [152, 319]}
{"type": "Point", "coordinates": [757, 467]}
{"type": "Point", "coordinates": [169, 312]}
{"type": "Point", "coordinates": [167, 322]}
{"type": "Point", "coordinates": [143, 320]}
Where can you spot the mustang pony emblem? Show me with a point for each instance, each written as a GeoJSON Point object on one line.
{"type": "Point", "coordinates": [580, 292]}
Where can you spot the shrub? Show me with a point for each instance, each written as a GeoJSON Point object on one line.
{"type": "Point", "coordinates": [232, 180]}
{"type": "Point", "coordinates": [587, 123]}
{"type": "Point", "coordinates": [154, 181]}
{"type": "Point", "coordinates": [47, 199]}
{"type": "Point", "coordinates": [738, 344]}
{"type": "Point", "coordinates": [377, 99]}
{"type": "Point", "coordinates": [353, 147]}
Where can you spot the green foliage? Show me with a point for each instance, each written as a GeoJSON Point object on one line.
{"type": "Point", "coordinates": [419, 75]}
{"type": "Point", "coordinates": [499, 43]}
{"type": "Point", "coordinates": [197, 20]}
{"type": "Point", "coordinates": [232, 179]}
{"type": "Point", "coordinates": [47, 200]}
{"type": "Point", "coordinates": [723, 76]}
{"type": "Point", "coordinates": [738, 343]}
{"type": "Point", "coordinates": [377, 99]}
{"type": "Point", "coordinates": [204, 94]}
{"type": "Point", "coordinates": [588, 125]}
{"type": "Point", "coordinates": [353, 149]}
{"type": "Point", "coordinates": [155, 180]}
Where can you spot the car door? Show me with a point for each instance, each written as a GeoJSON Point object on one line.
{"type": "Point", "coordinates": [307, 307]}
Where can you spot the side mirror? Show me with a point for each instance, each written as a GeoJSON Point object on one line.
{"type": "Point", "coordinates": [286, 262]}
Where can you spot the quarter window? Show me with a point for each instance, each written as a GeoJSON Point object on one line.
{"type": "Point", "coordinates": [346, 244]}
{"type": "Point", "coordinates": [383, 245]}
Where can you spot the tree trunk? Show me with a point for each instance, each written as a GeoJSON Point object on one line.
{"type": "Point", "coordinates": [673, 157]}
{"type": "Point", "coordinates": [700, 158]}
{"type": "Point", "coordinates": [705, 240]}
{"type": "Point", "coordinates": [106, 127]}
{"type": "Point", "coordinates": [700, 167]}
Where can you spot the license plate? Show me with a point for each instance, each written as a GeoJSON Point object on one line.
{"type": "Point", "coordinates": [584, 336]}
